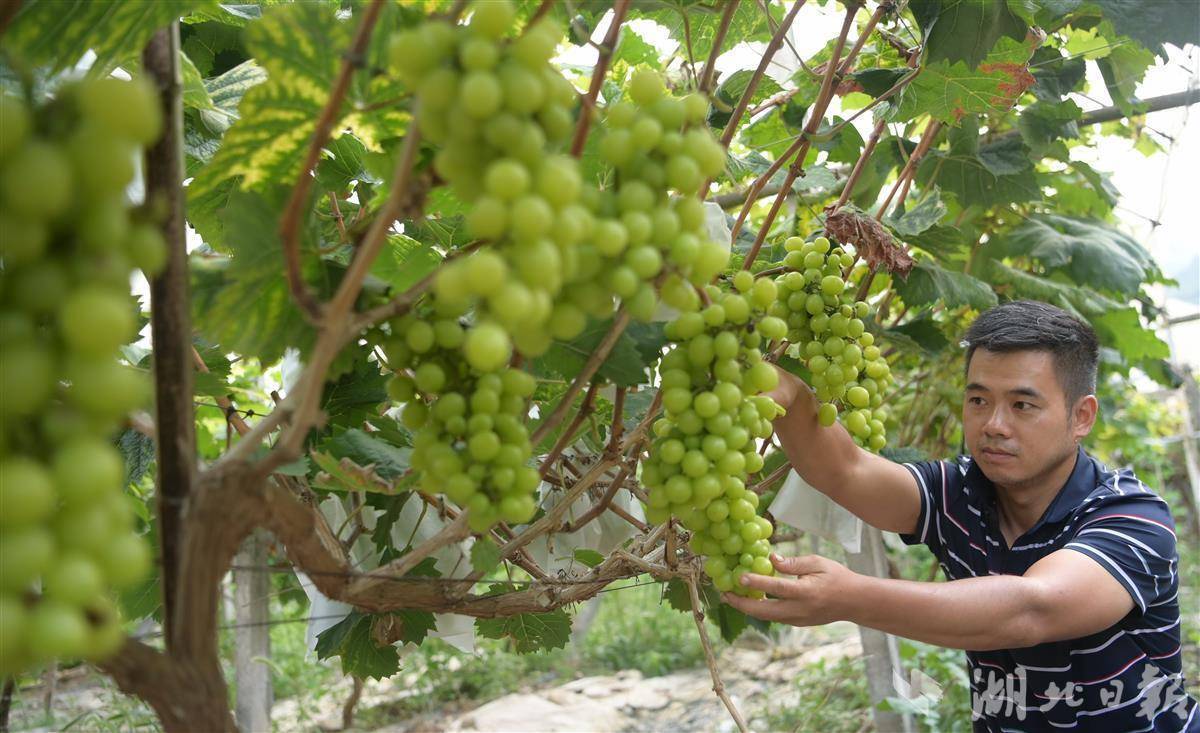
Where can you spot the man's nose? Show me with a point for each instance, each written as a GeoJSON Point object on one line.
{"type": "Point", "coordinates": [997, 423]}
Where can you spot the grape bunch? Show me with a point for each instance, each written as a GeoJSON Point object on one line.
{"type": "Point", "coordinates": [712, 382]}
{"type": "Point", "coordinates": [826, 323]}
{"type": "Point", "coordinates": [70, 240]}
{"type": "Point", "coordinates": [471, 443]}
{"type": "Point", "coordinates": [657, 143]}
{"type": "Point", "coordinates": [499, 111]}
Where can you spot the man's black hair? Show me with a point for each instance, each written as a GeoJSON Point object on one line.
{"type": "Point", "coordinates": [1029, 325]}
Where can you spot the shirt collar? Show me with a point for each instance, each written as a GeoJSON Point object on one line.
{"type": "Point", "coordinates": [1079, 485]}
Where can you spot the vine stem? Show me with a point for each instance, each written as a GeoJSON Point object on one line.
{"type": "Point", "coordinates": [709, 657]}
{"type": "Point", "coordinates": [861, 164]}
{"type": "Point", "coordinates": [337, 322]}
{"type": "Point", "coordinates": [589, 402]}
{"type": "Point", "coordinates": [824, 97]}
{"type": "Point", "coordinates": [620, 8]}
{"type": "Point", "coordinates": [585, 375]}
{"type": "Point", "coordinates": [902, 180]}
{"type": "Point", "coordinates": [170, 326]}
{"type": "Point", "coordinates": [289, 224]}
{"type": "Point", "coordinates": [768, 54]}
{"type": "Point", "coordinates": [706, 76]}
{"type": "Point", "coordinates": [453, 532]}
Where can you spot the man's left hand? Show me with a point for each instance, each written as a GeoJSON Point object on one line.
{"type": "Point", "coordinates": [817, 595]}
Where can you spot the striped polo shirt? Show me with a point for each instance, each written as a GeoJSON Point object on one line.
{"type": "Point", "coordinates": [1125, 678]}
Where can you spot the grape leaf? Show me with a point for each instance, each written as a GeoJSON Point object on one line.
{"type": "Point", "coordinates": [138, 452]}
{"type": "Point", "coordinates": [1056, 74]}
{"type": "Point", "coordinates": [299, 47]}
{"type": "Point", "coordinates": [361, 656]}
{"type": "Point", "coordinates": [877, 81]}
{"type": "Point", "coordinates": [749, 23]}
{"type": "Point", "coordinates": [923, 332]}
{"type": "Point", "coordinates": [965, 30]}
{"type": "Point", "coordinates": [1123, 330]}
{"type": "Point", "coordinates": [530, 632]}
{"type": "Point", "coordinates": [1153, 23]}
{"type": "Point", "coordinates": [946, 90]}
{"type": "Point", "coordinates": [1122, 69]}
{"type": "Point", "coordinates": [624, 367]}
{"type": "Point", "coordinates": [485, 556]}
{"type": "Point", "coordinates": [930, 283]}
{"type": "Point", "coordinates": [1088, 251]}
{"type": "Point", "coordinates": [356, 395]}
{"type": "Point", "coordinates": [588, 557]}
{"type": "Point", "coordinates": [677, 595]}
{"type": "Point", "coordinates": [243, 302]}
{"type": "Point", "coordinates": [414, 625]}
{"type": "Point", "coordinates": [404, 262]}
{"type": "Point", "coordinates": [388, 461]}
{"type": "Point", "coordinates": [928, 212]}
{"type": "Point", "coordinates": [971, 180]}
{"type": "Point", "coordinates": [57, 33]}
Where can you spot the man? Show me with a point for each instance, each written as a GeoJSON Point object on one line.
{"type": "Point", "coordinates": [1063, 573]}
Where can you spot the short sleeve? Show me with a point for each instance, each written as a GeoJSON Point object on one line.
{"type": "Point", "coordinates": [929, 476]}
{"type": "Point", "coordinates": [1133, 538]}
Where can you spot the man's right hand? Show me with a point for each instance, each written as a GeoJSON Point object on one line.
{"type": "Point", "coordinates": [790, 387]}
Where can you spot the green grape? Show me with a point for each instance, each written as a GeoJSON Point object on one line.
{"type": "Point", "coordinates": [487, 347]}
{"type": "Point", "coordinates": [645, 87]}
{"type": "Point", "coordinates": [73, 580]}
{"type": "Point", "coordinates": [24, 554]}
{"type": "Point", "coordinates": [492, 18]}
{"type": "Point", "coordinates": [127, 109]}
{"type": "Point", "coordinates": [36, 181]}
{"type": "Point", "coordinates": [27, 494]}
{"type": "Point", "coordinates": [480, 94]}
{"type": "Point", "coordinates": [506, 179]}
{"type": "Point", "coordinates": [94, 321]}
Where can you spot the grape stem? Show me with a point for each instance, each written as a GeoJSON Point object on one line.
{"type": "Point", "coordinates": [586, 409]}
{"type": "Point", "coordinates": [289, 224]}
{"type": "Point", "coordinates": [860, 164]}
{"type": "Point", "coordinates": [453, 532]}
{"type": "Point", "coordinates": [814, 121]}
{"type": "Point", "coordinates": [542, 11]}
{"type": "Point", "coordinates": [774, 476]}
{"type": "Point", "coordinates": [904, 180]}
{"type": "Point", "coordinates": [706, 76]}
{"type": "Point", "coordinates": [585, 375]}
{"type": "Point", "coordinates": [710, 658]}
{"type": "Point", "coordinates": [338, 326]}
{"type": "Point", "coordinates": [620, 8]}
{"type": "Point", "coordinates": [768, 54]}
{"type": "Point", "coordinates": [617, 427]}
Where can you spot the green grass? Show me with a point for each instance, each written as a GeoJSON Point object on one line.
{"type": "Point", "coordinates": [831, 698]}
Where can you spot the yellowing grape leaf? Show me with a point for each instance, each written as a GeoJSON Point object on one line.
{"type": "Point", "coordinates": [947, 91]}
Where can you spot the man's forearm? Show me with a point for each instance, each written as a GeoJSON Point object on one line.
{"type": "Point", "coordinates": [978, 614]}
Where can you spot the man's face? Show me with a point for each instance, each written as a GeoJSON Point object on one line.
{"type": "Point", "coordinates": [1016, 422]}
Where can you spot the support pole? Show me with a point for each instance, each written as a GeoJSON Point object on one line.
{"type": "Point", "coordinates": [252, 616]}
{"type": "Point", "coordinates": [881, 655]}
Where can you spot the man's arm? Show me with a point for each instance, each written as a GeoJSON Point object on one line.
{"type": "Point", "coordinates": [1065, 595]}
{"type": "Point", "coordinates": [882, 493]}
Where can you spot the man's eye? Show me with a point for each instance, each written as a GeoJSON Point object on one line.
{"type": "Point", "coordinates": [1022, 405]}
{"type": "Point", "coordinates": [974, 400]}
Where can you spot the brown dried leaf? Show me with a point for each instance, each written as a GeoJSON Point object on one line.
{"type": "Point", "coordinates": [871, 239]}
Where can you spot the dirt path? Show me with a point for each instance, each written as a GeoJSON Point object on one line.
{"type": "Point", "coordinates": [624, 702]}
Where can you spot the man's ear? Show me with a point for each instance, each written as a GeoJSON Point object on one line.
{"type": "Point", "coordinates": [1083, 416]}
